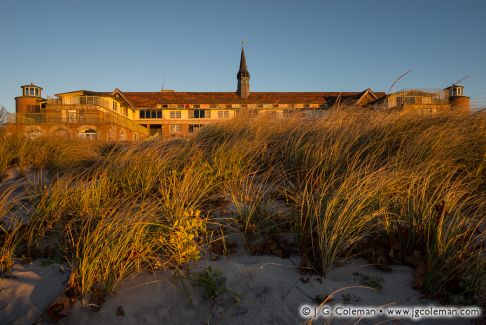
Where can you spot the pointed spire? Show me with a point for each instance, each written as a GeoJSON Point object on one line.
{"type": "Point", "coordinates": [243, 76]}
{"type": "Point", "coordinates": [243, 72]}
{"type": "Point", "coordinates": [243, 68]}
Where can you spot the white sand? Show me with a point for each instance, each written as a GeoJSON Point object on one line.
{"type": "Point", "coordinates": [24, 297]}
{"type": "Point", "coordinates": [271, 292]}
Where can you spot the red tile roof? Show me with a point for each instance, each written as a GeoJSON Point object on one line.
{"type": "Point", "coordinates": [151, 99]}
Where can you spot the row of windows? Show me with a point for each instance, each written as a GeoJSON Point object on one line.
{"type": "Point", "coordinates": [228, 106]}
{"type": "Point", "coordinates": [151, 113]}
{"type": "Point", "coordinates": [456, 91]}
{"type": "Point", "coordinates": [192, 128]}
{"type": "Point", "coordinates": [197, 113]}
{"type": "Point", "coordinates": [32, 91]}
{"type": "Point", "coordinates": [206, 114]}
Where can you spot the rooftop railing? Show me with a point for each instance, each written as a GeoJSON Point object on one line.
{"type": "Point", "coordinates": [422, 97]}
{"type": "Point", "coordinates": [78, 100]}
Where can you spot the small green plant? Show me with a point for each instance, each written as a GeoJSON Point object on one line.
{"type": "Point", "coordinates": [179, 238]}
{"type": "Point", "coordinates": [213, 283]}
{"type": "Point", "coordinates": [375, 281]}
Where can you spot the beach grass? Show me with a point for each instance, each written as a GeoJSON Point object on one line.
{"type": "Point", "coordinates": [401, 187]}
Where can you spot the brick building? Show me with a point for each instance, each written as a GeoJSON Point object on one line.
{"type": "Point", "coordinates": [120, 115]}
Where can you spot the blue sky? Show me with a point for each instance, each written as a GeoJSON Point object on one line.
{"type": "Point", "coordinates": [292, 45]}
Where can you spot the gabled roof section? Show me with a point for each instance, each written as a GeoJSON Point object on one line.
{"type": "Point", "coordinates": [367, 96]}
{"type": "Point", "coordinates": [117, 93]}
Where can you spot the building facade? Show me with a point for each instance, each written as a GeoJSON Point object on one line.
{"type": "Point", "coordinates": [120, 115]}
{"type": "Point", "coordinates": [450, 99]}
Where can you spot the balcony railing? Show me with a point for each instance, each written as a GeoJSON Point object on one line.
{"type": "Point", "coordinates": [78, 100]}
{"type": "Point", "coordinates": [422, 97]}
{"type": "Point", "coordinates": [92, 117]}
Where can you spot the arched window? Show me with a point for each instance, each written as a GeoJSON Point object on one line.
{"type": "Point", "coordinates": [89, 134]}
{"type": "Point", "coordinates": [123, 135]}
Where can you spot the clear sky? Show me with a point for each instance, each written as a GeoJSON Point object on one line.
{"type": "Point", "coordinates": [292, 45]}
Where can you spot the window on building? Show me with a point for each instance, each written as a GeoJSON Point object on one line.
{"type": "Point", "coordinates": [115, 106]}
{"type": "Point", "coordinates": [223, 114]}
{"type": "Point", "coordinates": [88, 134]}
{"type": "Point", "coordinates": [194, 128]}
{"type": "Point", "coordinates": [199, 113]}
{"type": "Point", "coordinates": [153, 113]}
{"type": "Point", "coordinates": [125, 111]}
{"type": "Point", "coordinates": [175, 128]}
{"type": "Point", "coordinates": [175, 114]}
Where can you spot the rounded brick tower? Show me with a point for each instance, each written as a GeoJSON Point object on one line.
{"type": "Point", "coordinates": [30, 100]}
{"type": "Point", "coordinates": [458, 101]}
